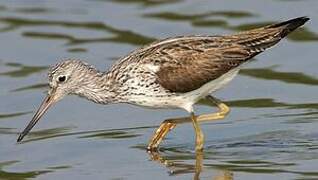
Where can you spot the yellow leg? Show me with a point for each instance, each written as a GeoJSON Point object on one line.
{"type": "Point", "coordinates": [169, 124]}
{"type": "Point", "coordinates": [199, 137]}
{"type": "Point", "coordinates": [163, 130]}
{"type": "Point", "coordinates": [223, 111]}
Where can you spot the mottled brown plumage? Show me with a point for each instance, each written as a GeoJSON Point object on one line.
{"type": "Point", "coordinates": [171, 73]}
{"type": "Point", "coordinates": [198, 68]}
{"type": "Point", "coordinates": [187, 63]}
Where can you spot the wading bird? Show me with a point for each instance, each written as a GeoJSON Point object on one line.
{"type": "Point", "coordinates": [171, 73]}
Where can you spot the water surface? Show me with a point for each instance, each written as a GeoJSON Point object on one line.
{"type": "Point", "coordinates": [271, 132]}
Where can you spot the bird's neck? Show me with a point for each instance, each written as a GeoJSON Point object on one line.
{"type": "Point", "coordinates": [98, 87]}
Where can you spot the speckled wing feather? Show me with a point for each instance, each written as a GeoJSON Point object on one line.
{"type": "Point", "coordinates": [201, 61]}
{"type": "Point", "coordinates": [195, 69]}
{"type": "Point", "coordinates": [186, 65]}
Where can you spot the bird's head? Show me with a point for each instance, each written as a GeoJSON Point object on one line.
{"type": "Point", "coordinates": [65, 78]}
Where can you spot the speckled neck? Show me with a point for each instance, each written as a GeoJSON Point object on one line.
{"type": "Point", "coordinates": [97, 87]}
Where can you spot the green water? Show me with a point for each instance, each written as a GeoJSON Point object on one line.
{"type": "Point", "coordinates": [271, 132]}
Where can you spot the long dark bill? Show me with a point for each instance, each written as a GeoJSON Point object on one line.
{"type": "Point", "coordinates": [47, 102]}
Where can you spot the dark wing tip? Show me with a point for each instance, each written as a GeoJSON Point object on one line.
{"type": "Point", "coordinates": [290, 25]}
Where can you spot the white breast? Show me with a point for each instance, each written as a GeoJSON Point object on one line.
{"type": "Point", "coordinates": [185, 100]}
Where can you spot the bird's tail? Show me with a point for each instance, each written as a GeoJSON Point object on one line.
{"type": "Point", "coordinates": [257, 40]}
{"type": "Point", "coordinates": [289, 26]}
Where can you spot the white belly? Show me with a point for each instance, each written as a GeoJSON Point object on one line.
{"type": "Point", "coordinates": [185, 100]}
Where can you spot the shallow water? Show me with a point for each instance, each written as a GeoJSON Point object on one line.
{"type": "Point", "coordinates": [271, 132]}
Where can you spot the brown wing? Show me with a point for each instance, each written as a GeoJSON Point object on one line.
{"type": "Point", "coordinates": [262, 38]}
{"type": "Point", "coordinates": [191, 69]}
{"type": "Point", "coordinates": [192, 64]}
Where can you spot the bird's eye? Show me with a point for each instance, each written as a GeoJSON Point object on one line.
{"type": "Point", "coordinates": [62, 78]}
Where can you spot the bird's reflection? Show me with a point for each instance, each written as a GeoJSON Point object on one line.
{"type": "Point", "coordinates": [177, 167]}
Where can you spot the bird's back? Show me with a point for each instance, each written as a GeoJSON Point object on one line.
{"type": "Point", "coordinates": [185, 63]}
